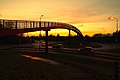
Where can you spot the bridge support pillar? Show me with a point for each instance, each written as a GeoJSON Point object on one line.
{"type": "Point", "coordinates": [69, 37]}
{"type": "Point", "coordinates": [46, 41]}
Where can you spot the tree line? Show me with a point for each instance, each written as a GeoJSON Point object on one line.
{"type": "Point", "coordinates": [104, 38]}
{"type": "Point", "coordinates": [99, 37]}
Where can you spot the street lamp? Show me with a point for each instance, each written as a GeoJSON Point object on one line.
{"type": "Point", "coordinates": [40, 30]}
{"type": "Point", "coordinates": [114, 18]}
{"type": "Point", "coordinates": [103, 34]}
{"type": "Point", "coordinates": [103, 30]}
{"type": "Point", "coordinates": [41, 17]}
{"type": "Point", "coordinates": [83, 28]}
{"type": "Point", "coordinates": [40, 23]}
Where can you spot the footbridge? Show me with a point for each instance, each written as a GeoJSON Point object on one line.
{"type": "Point", "coordinates": [11, 27]}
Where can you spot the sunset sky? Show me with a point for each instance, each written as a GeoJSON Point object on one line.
{"type": "Point", "coordinates": [89, 16]}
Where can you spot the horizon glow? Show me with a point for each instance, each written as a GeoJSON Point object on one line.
{"type": "Point", "coordinates": [92, 14]}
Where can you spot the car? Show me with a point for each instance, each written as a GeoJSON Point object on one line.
{"type": "Point", "coordinates": [57, 46]}
{"type": "Point", "coordinates": [86, 50]}
{"type": "Point", "coordinates": [43, 44]}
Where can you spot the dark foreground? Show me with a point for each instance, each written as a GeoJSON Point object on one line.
{"type": "Point", "coordinates": [19, 65]}
{"type": "Point", "coordinates": [13, 66]}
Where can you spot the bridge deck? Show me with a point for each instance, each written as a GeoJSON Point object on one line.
{"type": "Point", "coordinates": [9, 27]}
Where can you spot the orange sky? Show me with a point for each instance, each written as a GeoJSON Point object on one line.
{"type": "Point", "coordinates": [89, 16]}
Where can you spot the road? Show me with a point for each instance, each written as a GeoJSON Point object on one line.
{"type": "Point", "coordinates": [78, 67]}
{"type": "Point", "coordinates": [15, 66]}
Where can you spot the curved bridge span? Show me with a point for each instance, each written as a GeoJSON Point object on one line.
{"type": "Point", "coordinates": [10, 27]}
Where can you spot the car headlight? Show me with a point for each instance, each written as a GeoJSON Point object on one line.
{"type": "Point", "coordinates": [92, 50]}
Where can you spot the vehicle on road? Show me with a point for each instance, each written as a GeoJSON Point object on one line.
{"type": "Point", "coordinates": [57, 46]}
{"type": "Point", "coordinates": [86, 50]}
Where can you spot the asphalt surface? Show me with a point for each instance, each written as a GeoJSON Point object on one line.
{"type": "Point", "coordinates": [17, 67]}
{"type": "Point", "coordinates": [14, 66]}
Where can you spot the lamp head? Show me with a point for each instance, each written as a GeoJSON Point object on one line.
{"type": "Point", "coordinates": [112, 18]}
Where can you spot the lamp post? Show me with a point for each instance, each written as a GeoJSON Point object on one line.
{"type": "Point", "coordinates": [103, 30]}
{"type": "Point", "coordinates": [40, 30]}
{"type": "Point", "coordinates": [40, 19]}
{"type": "Point", "coordinates": [114, 18]}
{"type": "Point", "coordinates": [103, 34]}
{"type": "Point", "coordinates": [40, 23]}
{"type": "Point", "coordinates": [83, 28]}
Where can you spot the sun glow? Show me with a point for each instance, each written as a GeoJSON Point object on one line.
{"type": "Point", "coordinates": [89, 13]}
{"type": "Point", "coordinates": [53, 32]}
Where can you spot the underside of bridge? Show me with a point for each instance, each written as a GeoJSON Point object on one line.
{"type": "Point", "coordinates": [8, 32]}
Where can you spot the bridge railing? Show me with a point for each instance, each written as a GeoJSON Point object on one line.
{"type": "Point", "coordinates": [24, 24]}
